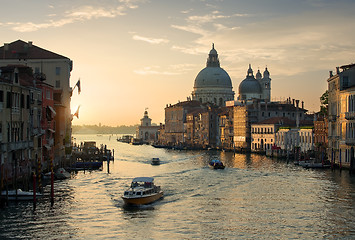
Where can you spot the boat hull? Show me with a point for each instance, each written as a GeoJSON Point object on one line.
{"type": "Point", "coordinates": [21, 195]}
{"type": "Point", "coordinates": [142, 200]}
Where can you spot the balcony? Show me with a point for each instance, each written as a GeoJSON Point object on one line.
{"type": "Point", "coordinates": [350, 115]}
{"type": "Point", "coordinates": [13, 146]}
{"type": "Point", "coordinates": [350, 141]}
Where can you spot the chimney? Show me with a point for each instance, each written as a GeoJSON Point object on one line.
{"type": "Point", "coordinates": [297, 102]}
{"type": "Point", "coordinates": [293, 101]}
{"type": "Point", "coordinates": [29, 43]}
{"type": "Point", "coordinates": [330, 73]}
{"type": "Point", "coordinates": [338, 70]}
{"type": "Point", "coordinates": [302, 104]}
{"type": "Point", "coordinates": [6, 46]}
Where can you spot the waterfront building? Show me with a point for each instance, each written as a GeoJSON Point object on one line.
{"type": "Point", "coordinates": [341, 116]}
{"type": "Point", "coordinates": [247, 113]}
{"type": "Point", "coordinates": [146, 132]}
{"type": "Point", "coordinates": [263, 133]}
{"type": "Point", "coordinates": [202, 127]}
{"type": "Point", "coordinates": [175, 120]}
{"type": "Point", "coordinates": [321, 136]}
{"type": "Point", "coordinates": [57, 70]}
{"type": "Point", "coordinates": [213, 84]}
{"type": "Point", "coordinates": [47, 124]}
{"type": "Point", "coordinates": [20, 128]}
{"type": "Point", "coordinates": [225, 130]}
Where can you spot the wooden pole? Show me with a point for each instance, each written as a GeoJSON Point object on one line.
{"type": "Point", "coordinates": [34, 190]}
{"type": "Point", "coordinates": [52, 183]}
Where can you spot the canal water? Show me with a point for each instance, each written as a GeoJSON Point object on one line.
{"type": "Point", "coordinates": [255, 197]}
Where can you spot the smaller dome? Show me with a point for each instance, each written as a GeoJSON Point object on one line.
{"type": "Point", "coordinates": [249, 86]}
{"type": "Point", "coordinates": [213, 51]}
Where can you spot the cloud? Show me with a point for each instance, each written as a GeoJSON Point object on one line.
{"type": "Point", "coordinates": [170, 70]}
{"type": "Point", "coordinates": [82, 13]}
{"type": "Point", "coordinates": [150, 40]}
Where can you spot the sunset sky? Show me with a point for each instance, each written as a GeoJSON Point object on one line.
{"type": "Point", "coordinates": [132, 54]}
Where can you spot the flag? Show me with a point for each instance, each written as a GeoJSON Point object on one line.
{"type": "Point", "coordinates": [76, 114]}
{"type": "Point", "coordinates": [78, 85]}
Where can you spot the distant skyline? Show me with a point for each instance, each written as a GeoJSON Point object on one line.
{"type": "Point", "coordinates": [136, 54]}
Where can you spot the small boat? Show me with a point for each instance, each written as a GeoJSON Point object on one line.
{"type": "Point", "coordinates": [155, 161]}
{"type": "Point", "coordinates": [61, 174]}
{"type": "Point", "coordinates": [21, 195]}
{"type": "Point", "coordinates": [142, 191]}
{"type": "Point", "coordinates": [216, 164]}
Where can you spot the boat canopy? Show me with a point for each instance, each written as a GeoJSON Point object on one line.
{"type": "Point", "coordinates": [143, 179]}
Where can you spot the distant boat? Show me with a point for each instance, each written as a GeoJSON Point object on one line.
{"type": "Point", "coordinates": [216, 164]}
{"type": "Point", "coordinates": [155, 161]}
{"type": "Point", "coordinates": [142, 191]}
{"type": "Point", "coordinates": [20, 195]}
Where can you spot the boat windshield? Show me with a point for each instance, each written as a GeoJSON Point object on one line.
{"type": "Point", "coordinates": [142, 184]}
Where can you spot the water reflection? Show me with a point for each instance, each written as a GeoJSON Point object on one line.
{"type": "Point", "coordinates": [253, 197]}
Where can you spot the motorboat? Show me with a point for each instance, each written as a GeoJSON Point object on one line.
{"type": "Point", "coordinates": [155, 161]}
{"type": "Point", "coordinates": [61, 173]}
{"type": "Point", "coordinates": [20, 195]}
{"type": "Point", "coordinates": [142, 191]}
{"type": "Point", "coordinates": [216, 164]}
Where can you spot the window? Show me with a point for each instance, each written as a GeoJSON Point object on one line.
{"type": "Point", "coordinates": [57, 71]}
{"type": "Point", "coordinates": [48, 94]}
{"type": "Point", "coordinates": [16, 77]}
{"type": "Point", "coordinates": [8, 100]}
{"type": "Point", "coordinates": [345, 81]}
{"type": "Point", "coordinates": [1, 96]}
{"type": "Point", "coordinates": [57, 84]}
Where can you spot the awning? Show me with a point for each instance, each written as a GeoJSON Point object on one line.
{"type": "Point", "coordinates": [52, 110]}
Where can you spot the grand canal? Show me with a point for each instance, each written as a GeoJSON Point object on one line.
{"type": "Point", "coordinates": [255, 197]}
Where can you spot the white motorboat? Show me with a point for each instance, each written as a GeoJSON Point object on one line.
{"type": "Point", "coordinates": [20, 195]}
{"type": "Point", "coordinates": [142, 191]}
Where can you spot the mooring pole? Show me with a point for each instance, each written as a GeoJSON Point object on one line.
{"type": "Point", "coordinates": [52, 183]}
{"type": "Point", "coordinates": [34, 189]}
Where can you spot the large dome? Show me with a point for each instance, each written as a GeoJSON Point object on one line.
{"type": "Point", "coordinates": [215, 77]}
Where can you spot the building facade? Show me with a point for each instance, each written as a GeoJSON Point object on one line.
{"type": "Point", "coordinates": [146, 132]}
{"type": "Point", "coordinates": [20, 116]}
{"type": "Point", "coordinates": [57, 70]}
{"type": "Point", "coordinates": [341, 88]}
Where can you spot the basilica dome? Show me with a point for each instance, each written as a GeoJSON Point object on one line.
{"type": "Point", "coordinates": [213, 84]}
{"type": "Point", "coordinates": [215, 77]}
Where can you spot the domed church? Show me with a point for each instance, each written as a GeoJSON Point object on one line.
{"type": "Point", "coordinates": [255, 88]}
{"type": "Point", "coordinates": [213, 83]}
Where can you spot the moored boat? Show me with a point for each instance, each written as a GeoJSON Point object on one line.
{"type": "Point", "coordinates": [142, 191]}
{"type": "Point", "coordinates": [20, 195]}
{"type": "Point", "coordinates": [216, 164]}
{"type": "Point", "coordinates": [61, 174]}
